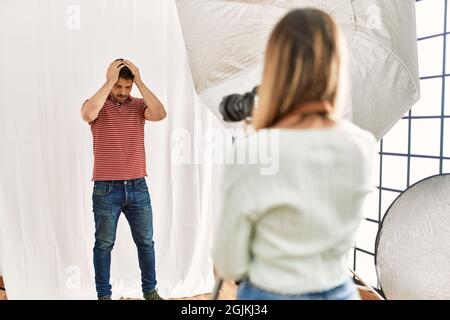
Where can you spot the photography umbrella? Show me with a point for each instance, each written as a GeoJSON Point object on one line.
{"type": "Point", "coordinates": [225, 41]}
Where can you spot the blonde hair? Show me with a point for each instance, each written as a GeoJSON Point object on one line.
{"type": "Point", "coordinates": [303, 64]}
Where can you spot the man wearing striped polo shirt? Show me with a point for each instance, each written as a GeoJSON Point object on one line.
{"type": "Point", "coordinates": [117, 123]}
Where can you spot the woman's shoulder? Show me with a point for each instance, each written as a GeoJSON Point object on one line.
{"type": "Point", "coordinates": [342, 129]}
{"type": "Point", "coordinates": [357, 132]}
{"type": "Point", "coordinates": [356, 143]}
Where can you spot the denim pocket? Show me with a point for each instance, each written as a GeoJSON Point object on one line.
{"type": "Point", "coordinates": [141, 185]}
{"type": "Point", "coordinates": [102, 189]}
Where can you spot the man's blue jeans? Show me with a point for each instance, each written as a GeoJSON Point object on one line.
{"type": "Point", "coordinates": [110, 199]}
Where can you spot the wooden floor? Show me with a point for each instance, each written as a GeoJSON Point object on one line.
{"type": "Point", "coordinates": [2, 292]}
{"type": "Point", "coordinates": [228, 292]}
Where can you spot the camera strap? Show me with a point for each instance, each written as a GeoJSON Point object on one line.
{"type": "Point", "coordinates": [310, 108]}
{"type": "Point", "coordinates": [317, 107]}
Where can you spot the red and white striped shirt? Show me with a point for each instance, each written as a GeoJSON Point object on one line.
{"type": "Point", "coordinates": [118, 136]}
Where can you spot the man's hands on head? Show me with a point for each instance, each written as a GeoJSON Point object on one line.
{"type": "Point", "coordinates": [92, 106]}
{"type": "Point", "coordinates": [155, 110]}
{"type": "Point", "coordinates": [112, 75]}
{"type": "Point", "coordinates": [134, 70]}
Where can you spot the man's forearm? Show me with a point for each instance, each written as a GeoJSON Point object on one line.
{"type": "Point", "coordinates": [92, 107]}
{"type": "Point", "coordinates": [155, 110]}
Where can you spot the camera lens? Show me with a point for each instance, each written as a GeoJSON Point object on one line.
{"type": "Point", "coordinates": [237, 107]}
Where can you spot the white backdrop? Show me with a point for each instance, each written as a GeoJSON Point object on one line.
{"type": "Point", "coordinates": [54, 55]}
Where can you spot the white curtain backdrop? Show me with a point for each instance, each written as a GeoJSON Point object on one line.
{"type": "Point", "coordinates": [54, 55]}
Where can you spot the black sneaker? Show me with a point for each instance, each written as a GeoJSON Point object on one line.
{"type": "Point", "coordinates": [104, 298]}
{"type": "Point", "coordinates": [152, 295]}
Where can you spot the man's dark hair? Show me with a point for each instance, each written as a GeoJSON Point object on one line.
{"type": "Point", "coordinates": [125, 72]}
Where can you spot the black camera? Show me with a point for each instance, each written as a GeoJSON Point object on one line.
{"type": "Point", "coordinates": [238, 107]}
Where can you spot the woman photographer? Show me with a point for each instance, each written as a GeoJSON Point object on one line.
{"type": "Point", "coordinates": [288, 235]}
